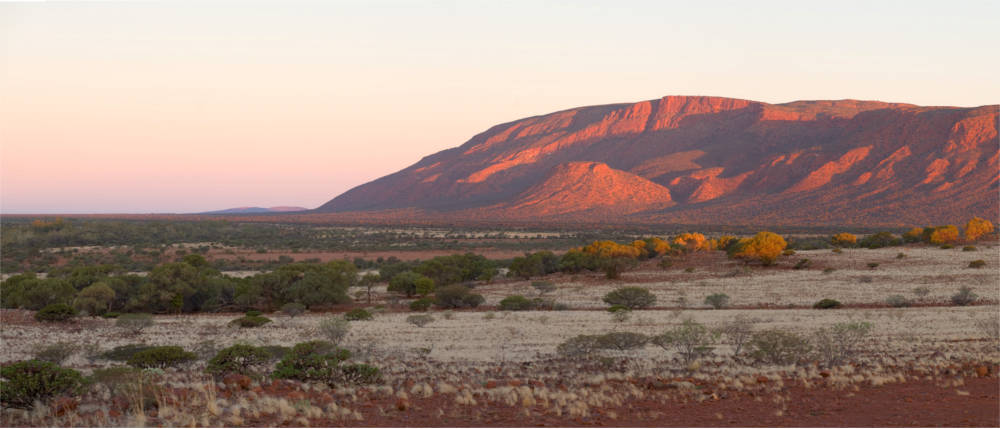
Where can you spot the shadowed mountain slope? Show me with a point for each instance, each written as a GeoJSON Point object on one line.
{"type": "Point", "coordinates": [711, 160]}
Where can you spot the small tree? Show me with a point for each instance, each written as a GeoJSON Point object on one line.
{"type": "Point", "coordinates": [411, 283]}
{"type": "Point", "coordinates": [457, 296]}
{"type": "Point", "coordinates": [844, 239]}
{"type": "Point", "coordinates": [95, 299]}
{"type": "Point", "coordinates": [738, 332]}
{"type": "Point", "coordinates": [944, 235]}
{"type": "Point", "coordinates": [334, 329]}
{"type": "Point", "coordinates": [840, 342]}
{"type": "Point", "coordinates": [630, 297]}
{"type": "Point", "coordinates": [779, 347]}
{"type": "Point", "coordinates": [765, 247]}
{"type": "Point", "coordinates": [368, 281]}
{"type": "Point", "coordinates": [976, 228]}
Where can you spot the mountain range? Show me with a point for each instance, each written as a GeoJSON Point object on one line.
{"type": "Point", "coordinates": [699, 160]}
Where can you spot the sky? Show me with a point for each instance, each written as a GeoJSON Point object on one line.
{"type": "Point", "coordinates": [178, 107]}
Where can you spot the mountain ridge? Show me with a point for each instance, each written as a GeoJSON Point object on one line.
{"type": "Point", "coordinates": [710, 159]}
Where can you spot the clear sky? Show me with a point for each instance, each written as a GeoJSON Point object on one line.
{"type": "Point", "coordinates": [182, 106]}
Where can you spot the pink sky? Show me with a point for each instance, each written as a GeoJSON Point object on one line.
{"type": "Point", "coordinates": [174, 107]}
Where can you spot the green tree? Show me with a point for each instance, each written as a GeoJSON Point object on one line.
{"type": "Point", "coordinates": [95, 299]}
{"type": "Point", "coordinates": [411, 283]}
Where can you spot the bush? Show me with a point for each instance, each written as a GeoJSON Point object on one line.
{"type": "Point", "coordinates": [630, 297]}
{"type": "Point", "coordinates": [873, 265]}
{"type": "Point", "coordinates": [841, 342]}
{"type": "Point", "coordinates": [946, 234]}
{"type": "Point", "coordinates": [977, 227]}
{"type": "Point", "coordinates": [250, 321]}
{"type": "Point", "coordinates": [312, 361]}
{"type": "Point", "coordinates": [738, 332]}
{"type": "Point", "coordinates": [160, 357]}
{"type": "Point", "coordinates": [516, 303]}
{"type": "Point", "coordinates": [969, 249]}
{"type": "Point", "coordinates": [620, 341]}
{"type": "Point", "coordinates": [457, 296]}
{"type": "Point", "coordinates": [717, 300]}
{"type": "Point", "coordinates": [360, 373]}
{"type": "Point", "coordinates": [978, 263]}
{"type": "Point", "coordinates": [55, 353]}
{"type": "Point", "coordinates": [124, 353]}
{"type": "Point", "coordinates": [844, 239]}
{"type": "Point", "coordinates": [334, 329]}
{"type": "Point", "coordinates": [900, 255]}
{"type": "Point", "coordinates": [293, 309]}
{"type": "Point", "coordinates": [411, 283]}
{"type": "Point", "coordinates": [880, 240]}
{"type": "Point", "coordinates": [578, 346]}
{"type": "Point", "coordinates": [964, 296]}
{"type": "Point", "coordinates": [55, 313]}
{"type": "Point", "coordinates": [826, 303]}
{"type": "Point", "coordinates": [921, 291]}
{"type": "Point", "coordinates": [25, 382]}
{"type": "Point", "coordinates": [787, 252]}
{"type": "Point", "coordinates": [419, 320]}
{"type": "Point", "coordinates": [240, 359]}
{"type": "Point", "coordinates": [765, 247]}
{"type": "Point", "coordinates": [358, 314]}
{"type": "Point", "coordinates": [779, 347]}
{"type": "Point", "coordinates": [254, 313]}
{"type": "Point", "coordinates": [802, 264]}
{"type": "Point", "coordinates": [111, 315]}
{"type": "Point", "coordinates": [543, 287]}
{"type": "Point", "coordinates": [134, 322]}
{"type": "Point", "coordinates": [897, 301]}
{"type": "Point", "coordinates": [421, 304]}
{"type": "Point", "coordinates": [691, 340]}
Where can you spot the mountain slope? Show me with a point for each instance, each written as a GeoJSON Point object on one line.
{"type": "Point", "coordinates": [712, 160]}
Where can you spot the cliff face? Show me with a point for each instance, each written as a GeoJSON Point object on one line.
{"type": "Point", "coordinates": [712, 160]}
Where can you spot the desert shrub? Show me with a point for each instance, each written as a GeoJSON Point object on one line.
{"type": "Point", "coordinates": [134, 322]}
{"type": "Point", "coordinates": [837, 250]}
{"type": "Point", "coordinates": [411, 283]}
{"type": "Point", "coordinates": [614, 267]}
{"type": "Point", "coordinates": [866, 279]}
{"type": "Point", "coordinates": [23, 383]}
{"type": "Point", "coordinates": [630, 297]}
{"type": "Point", "coordinates": [914, 235]}
{"type": "Point", "coordinates": [56, 353]}
{"type": "Point", "coordinates": [516, 303]}
{"type": "Point", "coordinates": [457, 296]}
{"type": "Point", "coordinates": [665, 263]}
{"type": "Point", "coordinates": [275, 352]}
{"type": "Point", "coordinates": [764, 247]}
{"type": "Point", "coordinates": [802, 264]}
{"type": "Point", "coordinates": [94, 299]}
{"type": "Point", "coordinates": [841, 342]}
{"type": "Point", "coordinates": [620, 341]}
{"type": "Point", "coordinates": [900, 255]}
{"type": "Point", "coordinates": [844, 239]}
{"type": "Point", "coordinates": [989, 327]}
{"type": "Point", "coordinates": [254, 313]}
{"type": "Point", "coordinates": [124, 353]}
{"type": "Point", "coordinates": [738, 332]}
{"type": "Point", "coordinates": [312, 361]}
{"type": "Point", "coordinates": [55, 313]}
{"type": "Point", "coordinates": [420, 320]}
{"type": "Point", "coordinates": [827, 303]}
{"type": "Point", "coordinates": [358, 314]}
{"type": "Point", "coordinates": [111, 315]}
{"type": "Point", "coordinates": [969, 249]}
{"type": "Point", "coordinates": [421, 304]}
{"type": "Point", "coordinates": [619, 314]}
{"type": "Point", "coordinates": [689, 270]}
{"type": "Point", "coordinates": [873, 265]}
{"type": "Point", "coordinates": [116, 378]}
{"type": "Point", "coordinates": [829, 270]}
{"type": "Point", "coordinates": [787, 252]}
{"type": "Point", "coordinates": [978, 263]}
{"type": "Point", "coordinates": [359, 373]}
{"type": "Point", "coordinates": [249, 321]}
{"type": "Point", "coordinates": [691, 340]}
{"type": "Point", "coordinates": [897, 301]}
{"type": "Point", "coordinates": [880, 240]}
{"type": "Point", "coordinates": [293, 309]}
{"type": "Point", "coordinates": [160, 357]}
{"type": "Point", "coordinates": [779, 347]}
{"type": "Point", "coordinates": [976, 228]}
{"type": "Point", "coordinates": [575, 261]}
{"type": "Point", "coordinates": [452, 269]}
{"type": "Point", "coordinates": [334, 329]}
{"type": "Point", "coordinates": [578, 346]}
{"type": "Point", "coordinates": [240, 359]}
{"type": "Point", "coordinates": [543, 287]}
{"type": "Point", "coordinates": [965, 296]}
{"type": "Point", "coordinates": [921, 291]}
{"type": "Point", "coordinates": [534, 265]}
{"type": "Point", "coordinates": [717, 300]}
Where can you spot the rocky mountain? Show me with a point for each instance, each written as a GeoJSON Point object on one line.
{"type": "Point", "coordinates": [711, 160]}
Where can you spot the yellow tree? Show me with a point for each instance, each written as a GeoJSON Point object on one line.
{"type": "Point", "coordinates": [976, 228]}
{"type": "Point", "coordinates": [914, 235]}
{"type": "Point", "coordinates": [765, 247]}
{"type": "Point", "coordinates": [944, 234]}
{"type": "Point", "coordinates": [692, 241]}
{"type": "Point", "coordinates": [845, 239]}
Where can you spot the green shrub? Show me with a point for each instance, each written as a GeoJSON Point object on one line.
{"type": "Point", "coordinates": [900, 255]}
{"type": "Point", "coordinates": [134, 322]}
{"type": "Point", "coordinates": [969, 249]}
{"type": "Point", "coordinates": [826, 303]}
{"type": "Point", "coordinates": [964, 296]}
{"type": "Point", "coordinates": [578, 346]}
{"type": "Point", "coordinates": [254, 313]}
{"type": "Point", "coordinates": [921, 291]}
{"type": "Point", "coordinates": [312, 361]}
{"type": "Point", "coordinates": [873, 265]}
{"type": "Point", "coordinates": [240, 359]}
{"type": "Point", "coordinates": [160, 357]}
{"type": "Point", "coordinates": [359, 373]}
{"type": "Point", "coordinates": [516, 303]}
{"type": "Point", "coordinates": [829, 270]}
{"type": "Point", "coordinates": [689, 270]}
{"type": "Point", "coordinates": [978, 263]}
{"type": "Point", "coordinates": [717, 300]}
{"type": "Point", "coordinates": [457, 296]}
{"type": "Point", "coordinates": [802, 264]}
{"type": "Point", "coordinates": [275, 352]}
{"type": "Point", "coordinates": [334, 329]}
{"type": "Point", "coordinates": [55, 313]}
{"type": "Point", "coordinates": [124, 353]}
{"type": "Point", "coordinates": [111, 315]}
{"type": "Point", "coordinates": [25, 382]}
{"type": "Point", "coordinates": [358, 314]}
{"type": "Point", "coordinates": [665, 263]}
{"type": "Point", "coordinates": [691, 340]}
{"type": "Point", "coordinates": [779, 347]}
{"type": "Point", "coordinates": [630, 297]}
{"type": "Point", "coordinates": [293, 309]}
{"type": "Point", "coordinates": [947, 246]}
{"type": "Point", "coordinates": [421, 304]}
{"type": "Point", "coordinates": [897, 301]}
{"type": "Point", "coordinates": [250, 321]}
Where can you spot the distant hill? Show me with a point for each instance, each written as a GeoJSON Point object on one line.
{"type": "Point", "coordinates": [251, 210]}
{"type": "Point", "coordinates": [709, 160]}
